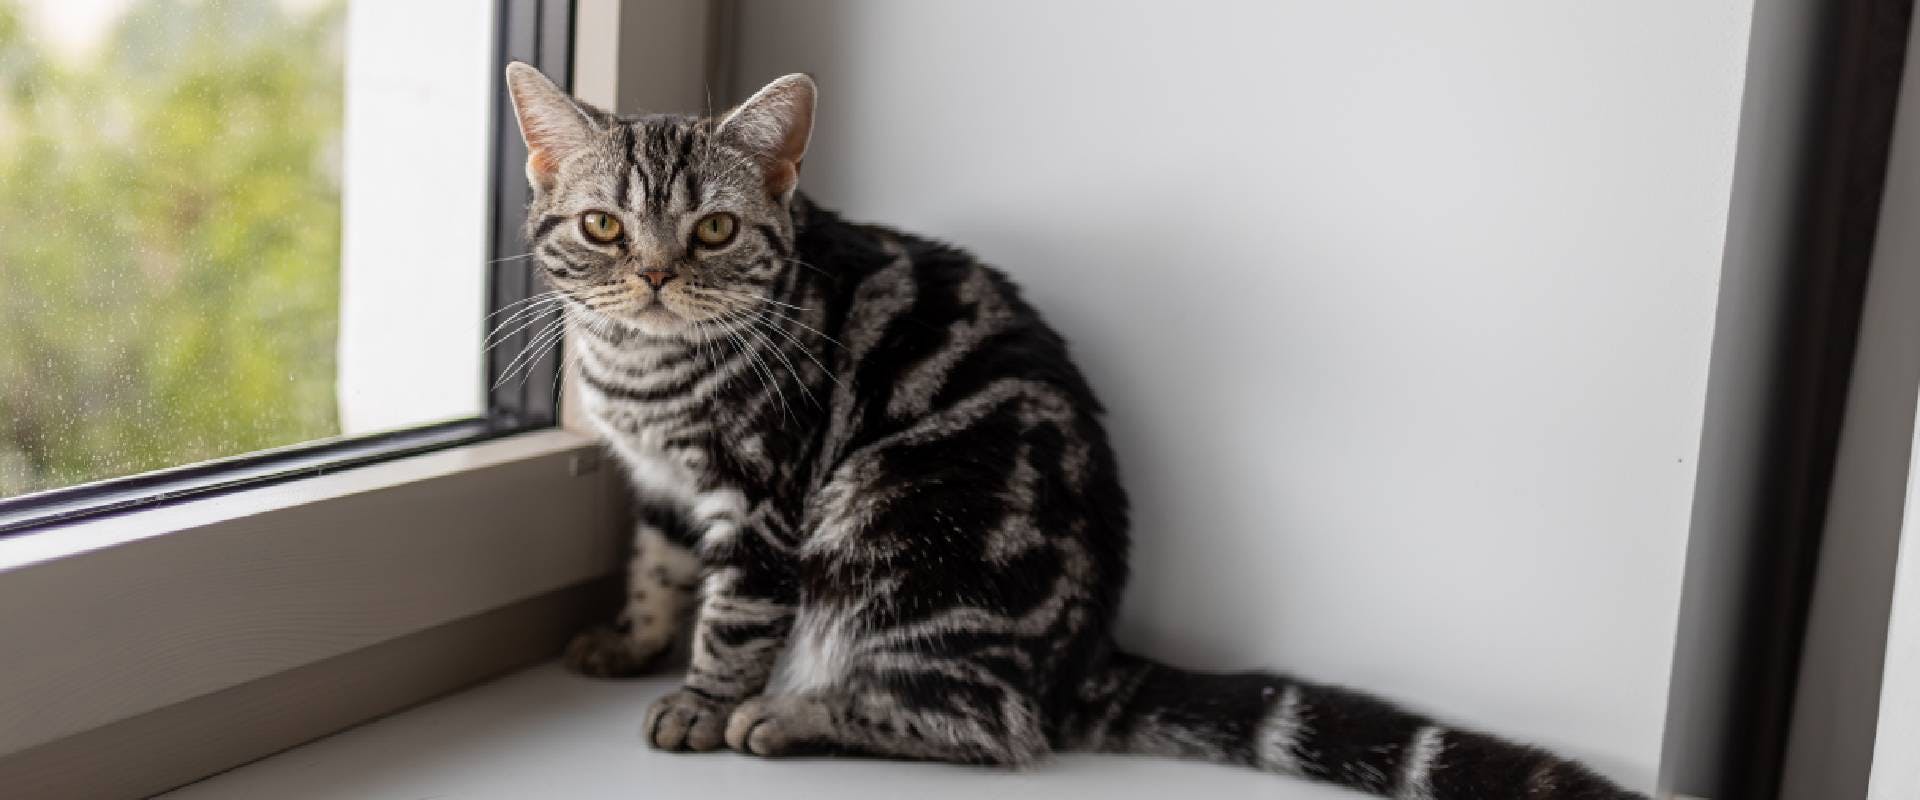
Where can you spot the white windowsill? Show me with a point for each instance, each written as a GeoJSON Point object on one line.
{"type": "Point", "coordinates": [111, 618]}
{"type": "Point", "coordinates": [546, 733]}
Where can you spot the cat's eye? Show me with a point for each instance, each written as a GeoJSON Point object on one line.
{"type": "Point", "coordinates": [715, 230]}
{"type": "Point", "coordinates": [600, 226]}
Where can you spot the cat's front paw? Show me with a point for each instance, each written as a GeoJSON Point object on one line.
{"type": "Point", "coordinates": [687, 720]}
{"type": "Point", "coordinates": [604, 652]}
{"type": "Point", "coordinates": [773, 726]}
{"type": "Point", "coordinates": [755, 730]}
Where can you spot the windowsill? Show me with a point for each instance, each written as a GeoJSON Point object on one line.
{"type": "Point", "coordinates": [546, 733]}
{"type": "Point", "coordinates": [112, 618]}
{"type": "Point", "coordinates": [78, 538]}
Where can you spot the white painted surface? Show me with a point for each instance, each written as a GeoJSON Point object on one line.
{"type": "Point", "coordinates": [419, 109]}
{"type": "Point", "coordinates": [117, 616]}
{"type": "Point", "coordinates": [1402, 310]}
{"type": "Point", "coordinates": [545, 733]}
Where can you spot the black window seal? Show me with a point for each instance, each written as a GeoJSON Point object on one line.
{"type": "Point", "coordinates": [1749, 585]}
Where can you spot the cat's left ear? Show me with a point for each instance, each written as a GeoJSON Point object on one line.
{"type": "Point", "coordinates": [554, 125]}
{"type": "Point", "coordinates": [775, 124]}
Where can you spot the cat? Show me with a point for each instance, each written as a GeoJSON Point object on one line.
{"type": "Point", "coordinates": [884, 484]}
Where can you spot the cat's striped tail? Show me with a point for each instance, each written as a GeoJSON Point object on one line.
{"type": "Point", "coordinates": [1278, 724]}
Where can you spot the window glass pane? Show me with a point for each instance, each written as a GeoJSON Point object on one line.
{"type": "Point", "coordinates": [231, 225]}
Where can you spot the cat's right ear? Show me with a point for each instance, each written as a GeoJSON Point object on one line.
{"type": "Point", "coordinates": [554, 125]}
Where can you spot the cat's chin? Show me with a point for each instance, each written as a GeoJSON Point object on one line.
{"type": "Point", "coordinates": [658, 321]}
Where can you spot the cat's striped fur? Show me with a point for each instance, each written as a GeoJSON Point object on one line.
{"type": "Point", "coordinates": [910, 534]}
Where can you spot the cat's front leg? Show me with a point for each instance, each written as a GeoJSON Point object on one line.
{"type": "Point", "coordinates": [745, 615]}
{"type": "Point", "coordinates": [661, 580]}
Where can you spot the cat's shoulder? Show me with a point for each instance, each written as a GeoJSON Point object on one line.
{"type": "Point", "coordinates": [877, 253]}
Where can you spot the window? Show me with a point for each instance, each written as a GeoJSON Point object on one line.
{"type": "Point", "coordinates": [243, 239]}
{"type": "Point", "coordinates": [425, 177]}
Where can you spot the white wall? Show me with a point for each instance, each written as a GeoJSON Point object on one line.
{"type": "Point", "coordinates": [419, 110]}
{"type": "Point", "coordinates": [1402, 310]}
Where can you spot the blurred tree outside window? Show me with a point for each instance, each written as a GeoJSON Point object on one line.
{"type": "Point", "coordinates": [170, 233]}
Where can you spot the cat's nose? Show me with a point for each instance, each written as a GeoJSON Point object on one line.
{"type": "Point", "coordinates": [657, 277]}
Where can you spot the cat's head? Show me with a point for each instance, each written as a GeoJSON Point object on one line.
{"type": "Point", "coordinates": [669, 225]}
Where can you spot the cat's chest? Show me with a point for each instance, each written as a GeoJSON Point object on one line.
{"type": "Point", "coordinates": [688, 449]}
{"type": "Point", "coordinates": [667, 417]}
{"type": "Point", "coordinates": [662, 450]}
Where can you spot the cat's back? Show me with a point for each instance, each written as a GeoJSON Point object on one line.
{"type": "Point", "coordinates": [944, 363]}
{"type": "Point", "coordinates": [923, 324]}
{"type": "Point", "coordinates": [965, 486]}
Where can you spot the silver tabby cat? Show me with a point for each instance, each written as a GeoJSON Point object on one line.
{"type": "Point", "coordinates": [876, 482]}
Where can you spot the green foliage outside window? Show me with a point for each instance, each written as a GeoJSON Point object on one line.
{"type": "Point", "coordinates": [169, 239]}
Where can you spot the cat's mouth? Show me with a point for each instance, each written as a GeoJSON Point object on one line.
{"type": "Point", "coordinates": [658, 310]}
{"type": "Point", "coordinates": [655, 317]}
